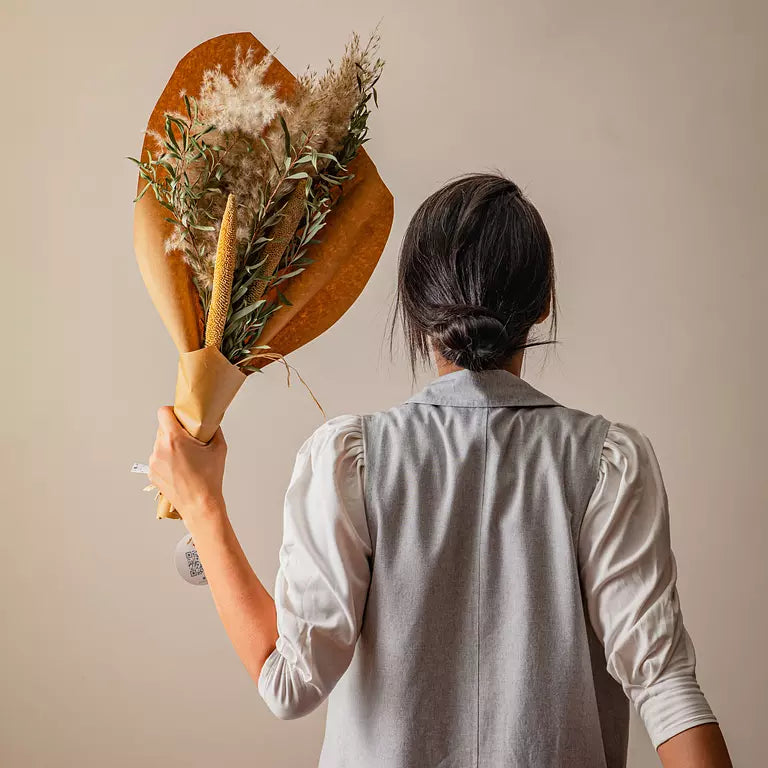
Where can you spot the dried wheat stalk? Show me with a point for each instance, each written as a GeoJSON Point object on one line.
{"type": "Point", "coordinates": [224, 270]}
{"type": "Point", "coordinates": [281, 235]}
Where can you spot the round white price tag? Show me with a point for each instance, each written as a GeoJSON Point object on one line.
{"type": "Point", "coordinates": [188, 563]}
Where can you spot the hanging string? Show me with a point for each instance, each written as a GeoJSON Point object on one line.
{"type": "Point", "coordinates": [288, 367]}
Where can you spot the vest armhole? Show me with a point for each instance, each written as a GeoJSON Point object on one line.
{"type": "Point", "coordinates": [367, 473]}
{"type": "Point", "coordinates": [594, 465]}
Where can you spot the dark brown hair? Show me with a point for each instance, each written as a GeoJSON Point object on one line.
{"type": "Point", "coordinates": [476, 270]}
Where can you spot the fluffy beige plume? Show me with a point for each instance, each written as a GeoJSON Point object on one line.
{"type": "Point", "coordinates": [243, 103]}
{"type": "Point", "coordinates": [241, 106]}
{"type": "Point", "coordinates": [323, 104]}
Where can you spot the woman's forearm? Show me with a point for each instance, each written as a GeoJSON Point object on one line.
{"type": "Point", "coordinates": [702, 746]}
{"type": "Point", "coordinates": [246, 609]}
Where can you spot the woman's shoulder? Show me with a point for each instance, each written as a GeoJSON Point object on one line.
{"type": "Point", "coordinates": [623, 435]}
{"type": "Point", "coordinates": [342, 424]}
{"type": "Point", "coordinates": [629, 450]}
{"type": "Point", "coordinates": [341, 435]}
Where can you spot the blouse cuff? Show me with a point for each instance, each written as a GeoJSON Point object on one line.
{"type": "Point", "coordinates": [284, 690]}
{"type": "Point", "coordinates": [672, 706]}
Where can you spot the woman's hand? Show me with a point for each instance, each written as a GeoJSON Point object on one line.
{"type": "Point", "coordinates": [188, 472]}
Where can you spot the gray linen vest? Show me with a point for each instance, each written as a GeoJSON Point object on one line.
{"type": "Point", "coordinates": [475, 649]}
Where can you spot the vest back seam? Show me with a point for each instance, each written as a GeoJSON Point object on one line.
{"type": "Point", "coordinates": [478, 576]}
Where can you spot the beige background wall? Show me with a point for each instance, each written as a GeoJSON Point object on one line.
{"type": "Point", "coordinates": [637, 128]}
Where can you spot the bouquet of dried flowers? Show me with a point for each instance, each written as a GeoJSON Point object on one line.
{"type": "Point", "coordinates": [234, 204]}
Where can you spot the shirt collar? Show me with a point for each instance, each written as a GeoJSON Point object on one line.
{"type": "Point", "coordinates": [481, 389]}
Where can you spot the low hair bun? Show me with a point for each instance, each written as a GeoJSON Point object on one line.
{"type": "Point", "coordinates": [475, 275]}
{"type": "Point", "coordinates": [472, 337]}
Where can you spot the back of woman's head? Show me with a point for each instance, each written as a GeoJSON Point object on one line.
{"type": "Point", "coordinates": [476, 271]}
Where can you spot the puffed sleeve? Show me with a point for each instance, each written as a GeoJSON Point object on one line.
{"type": "Point", "coordinates": [324, 570]}
{"type": "Point", "coordinates": [628, 571]}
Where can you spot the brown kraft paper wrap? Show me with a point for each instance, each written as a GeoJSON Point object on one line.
{"type": "Point", "coordinates": [350, 246]}
{"type": "Point", "coordinates": [205, 386]}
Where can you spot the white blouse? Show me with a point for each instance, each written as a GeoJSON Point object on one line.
{"type": "Point", "coordinates": [627, 568]}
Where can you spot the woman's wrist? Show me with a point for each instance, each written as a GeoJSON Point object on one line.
{"type": "Point", "coordinates": [207, 514]}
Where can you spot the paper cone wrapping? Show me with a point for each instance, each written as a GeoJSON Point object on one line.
{"type": "Point", "coordinates": [206, 384]}
{"type": "Point", "coordinates": [166, 275]}
{"type": "Point", "coordinates": [351, 244]}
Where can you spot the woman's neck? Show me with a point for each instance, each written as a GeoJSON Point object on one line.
{"type": "Point", "coordinates": [514, 365]}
